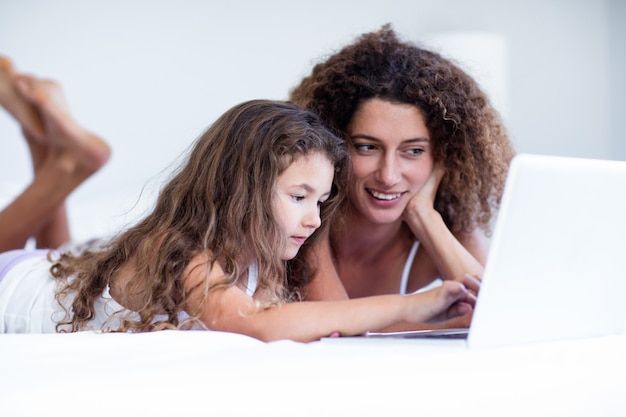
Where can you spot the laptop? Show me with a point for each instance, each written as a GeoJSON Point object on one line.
{"type": "Point", "coordinates": [556, 268]}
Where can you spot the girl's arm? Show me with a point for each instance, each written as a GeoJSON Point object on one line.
{"type": "Point", "coordinates": [231, 310]}
{"type": "Point", "coordinates": [453, 258]}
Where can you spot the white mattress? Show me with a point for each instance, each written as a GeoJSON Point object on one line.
{"type": "Point", "coordinates": [220, 374]}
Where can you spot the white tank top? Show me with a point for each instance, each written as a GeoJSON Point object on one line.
{"type": "Point", "coordinates": [253, 278]}
{"type": "Point", "coordinates": [407, 270]}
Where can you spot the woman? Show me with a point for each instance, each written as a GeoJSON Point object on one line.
{"type": "Point", "coordinates": [429, 159]}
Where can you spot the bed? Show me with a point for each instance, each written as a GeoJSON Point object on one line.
{"type": "Point", "coordinates": [197, 373]}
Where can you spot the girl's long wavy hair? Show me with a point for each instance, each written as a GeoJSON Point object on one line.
{"type": "Point", "coordinates": [467, 134]}
{"type": "Point", "coordinates": [218, 202]}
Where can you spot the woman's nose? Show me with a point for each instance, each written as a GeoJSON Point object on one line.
{"type": "Point", "coordinates": [389, 170]}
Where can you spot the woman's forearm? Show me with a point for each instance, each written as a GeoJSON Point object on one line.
{"type": "Point", "coordinates": [453, 260]}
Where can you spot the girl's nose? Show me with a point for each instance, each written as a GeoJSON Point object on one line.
{"type": "Point", "coordinates": [313, 218]}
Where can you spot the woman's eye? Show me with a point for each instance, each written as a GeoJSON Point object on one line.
{"type": "Point", "coordinates": [297, 198]}
{"type": "Point", "coordinates": [363, 147]}
{"type": "Point", "coordinates": [415, 151]}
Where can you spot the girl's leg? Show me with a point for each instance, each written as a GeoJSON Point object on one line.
{"type": "Point", "coordinates": [55, 231]}
{"type": "Point", "coordinates": [63, 154]}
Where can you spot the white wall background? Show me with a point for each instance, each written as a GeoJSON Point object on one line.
{"type": "Point", "coordinates": [150, 75]}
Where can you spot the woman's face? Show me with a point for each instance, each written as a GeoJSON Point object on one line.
{"type": "Point", "coordinates": [391, 158]}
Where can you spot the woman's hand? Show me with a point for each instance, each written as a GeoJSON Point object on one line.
{"type": "Point", "coordinates": [471, 282]}
{"type": "Point", "coordinates": [424, 199]}
{"type": "Point", "coordinates": [452, 299]}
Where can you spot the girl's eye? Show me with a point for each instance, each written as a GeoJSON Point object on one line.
{"type": "Point", "coordinates": [297, 198]}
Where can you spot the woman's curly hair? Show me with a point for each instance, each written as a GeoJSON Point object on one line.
{"type": "Point", "coordinates": [467, 135]}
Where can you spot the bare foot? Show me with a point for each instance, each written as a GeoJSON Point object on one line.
{"type": "Point", "coordinates": [15, 104]}
{"type": "Point", "coordinates": [64, 139]}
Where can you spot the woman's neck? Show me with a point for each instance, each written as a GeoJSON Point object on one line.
{"type": "Point", "coordinates": [362, 239]}
{"type": "Point", "coordinates": [370, 257]}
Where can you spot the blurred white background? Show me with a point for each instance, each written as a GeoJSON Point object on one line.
{"type": "Point", "coordinates": [151, 75]}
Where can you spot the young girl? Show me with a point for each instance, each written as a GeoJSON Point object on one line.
{"type": "Point", "coordinates": [221, 249]}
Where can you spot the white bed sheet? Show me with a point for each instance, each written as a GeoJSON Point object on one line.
{"type": "Point", "coordinates": [220, 374]}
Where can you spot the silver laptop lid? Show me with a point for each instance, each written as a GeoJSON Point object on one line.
{"type": "Point", "coordinates": [556, 268]}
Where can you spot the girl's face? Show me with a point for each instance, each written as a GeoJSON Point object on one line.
{"type": "Point", "coordinates": [299, 192]}
{"type": "Point", "coordinates": [391, 158]}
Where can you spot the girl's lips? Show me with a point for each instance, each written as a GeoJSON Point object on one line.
{"type": "Point", "coordinates": [299, 239]}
